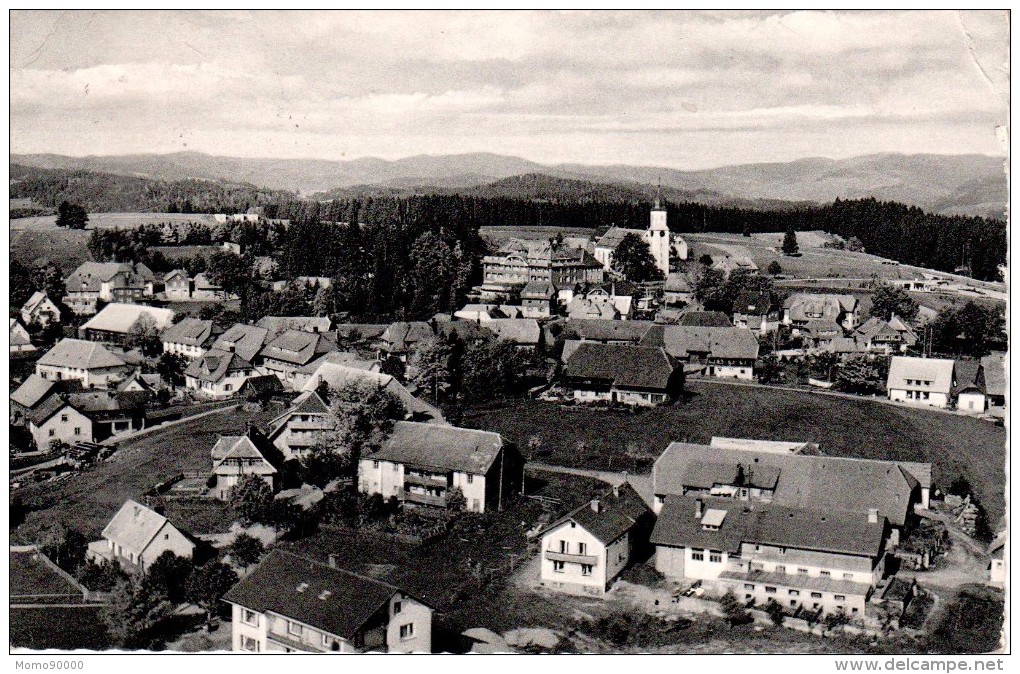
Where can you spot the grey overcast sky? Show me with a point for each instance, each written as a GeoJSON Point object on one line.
{"type": "Point", "coordinates": [687, 90]}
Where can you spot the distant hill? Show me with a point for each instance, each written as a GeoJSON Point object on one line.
{"type": "Point", "coordinates": [949, 184]}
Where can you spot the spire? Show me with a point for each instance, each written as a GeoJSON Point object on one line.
{"type": "Point", "coordinates": [658, 190]}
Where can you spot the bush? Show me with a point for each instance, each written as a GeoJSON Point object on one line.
{"type": "Point", "coordinates": [969, 623]}
{"type": "Point", "coordinates": [734, 611]}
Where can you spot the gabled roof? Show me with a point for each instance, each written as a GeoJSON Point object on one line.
{"type": "Point", "coordinates": [595, 307]}
{"type": "Point", "coordinates": [80, 354]}
{"type": "Point", "coordinates": [47, 409]}
{"type": "Point", "coordinates": [92, 403]}
{"type": "Point", "coordinates": [612, 238]}
{"type": "Point", "coordinates": [773, 524]}
{"type": "Point", "coordinates": [401, 335]}
{"type": "Point", "coordinates": [681, 340]}
{"type": "Point", "coordinates": [279, 324]}
{"type": "Point", "coordinates": [202, 282]}
{"type": "Point", "coordinates": [617, 512]}
{"type": "Point", "coordinates": [134, 526]}
{"type": "Point", "coordinates": [993, 369]}
{"type": "Point", "coordinates": [90, 276]}
{"type": "Point", "coordinates": [939, 371]}
{"type": "Point", "coordinates": [214, 365]}
{"type": "Point", "coordinates": [245, 340]}
{"type": "Point", "coordinates": [345, 358]}
{"type": "Point", "coordinates": [340, 375]}
{"type": "Point", "coordinates": [308, 402]}
{"type": "Point", "coordinates": [440, 447]}
{"type": "Point", "coordinates": [804, 306]}
{"type": "Point", "coordinates": [118, 317]}
{"type": "Point", "coordinates": [230, 448]}
{"type": "Point", "coordinates": [190, 331]}
{"type": "Point", "coordinates": [37, 299]}
{"type": "Point", "coordinates": [705, 319]}
{"type": "Point", "coordinates": [363, 331]}
{"type": "Point", "coordinates": [524, 331]}
{"type": "Point", "coordinates": [176, 273]}
{"type": "Point", "coordinates": [18, 335]}
{"type": "Point", "coordinates": [624, 365]}
{"type": "Point", "coordinates": [805, 481]}
{"type": "Point", "coordinates": [538, 290]}
{"type": "Point", "coordinates": [33, 390]}
{"type": "Point", "coordinates": [335, 601]}
{"type": "Point", "coordinates": [677, 283]}
{"type": "Point", "coordinates": [298, 347]}
{"type": "Point", "coordinates": [604, 330]}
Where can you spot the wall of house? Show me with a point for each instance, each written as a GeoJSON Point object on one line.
{"type": "Point", "coordinates": [473, 487]}
{"type": "Point", "coordinates": [386, 478]}
{"type": "Point", "coordinates": [813, 563]}
{"type": "Point", "coordinates": [670, 561]}
{"type": "Point", "coordinates": [190, 351]}
{"type": "Point", "coordinates": [90, 378]}
{"type": "Point", "coordinates": [168, 538]}
{"type": "Point", "coordinates": [76, 428]}
{"type": "Point", "coordinates": [639, 398]}
{"type": "Point", "coordinates": [224, 388]}
{"type": "Point", "coordinates": [224, 483]}
{"type": "Point", "coordinates": [309, 638]}
{"type": "Point", "coordinates": [571, 579]}
{"type": "Point", "coordinates": [414, 613]}
{"type": "Point", "coordinates": [934, 399]}
{"type": "Point", "coordinates": [617, 557]}
{"type": "Point", "coordinates": [971, 402]}
{"type": "Point", "coordinates": [851, 603]}
{"type": "Point", "coordinates": [586, 396]}
{"type": "Point", "coordinates": [732, 371]}
{"type": "Point", "coordinates": [254, 629]}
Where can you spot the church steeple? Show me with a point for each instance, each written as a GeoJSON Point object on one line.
{"type": "Point", "coordinates": [658, 200]}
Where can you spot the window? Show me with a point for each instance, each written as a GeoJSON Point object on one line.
{"type": "Point", "coordinates": [794, 593]}
{"type": "Point", "coordinates": [802, 571]}
{"type": "Point", "coordinates": [770, 590]}
{"type": "Point", "coordinates": [582, 548]}
{"type": "Point", "coordinates": [63, 418]}
{"type": "Point", "coordinates": [476, 505]}
{"type": "Point", "coordinates": [825, 574]}
{"type": "Point", "coordinates": [77, 430]}
{"type": "Point", "coordinates": [294, 628]}
{"type": "Point", "coordinates": [816, 595]}
{"type": "Point", "coordinates": [848, 576]}
{"type": "Point", "coordinates": [249, 617]}
{"type": "Point", "coordinates": [697, 555]}
{"type": "Point", "coordinates": [586, 569]}
{"type": "Point", "coordinates": [470, 479]}
{"type": "Point", "coordinates": [375, 464]}
{"type": "Point", "coordinates": [558, 567]}
{"type": "Point", "coordinates": [52, 433]}
{"type": "Point", "coordinates": [748, 586]}
{"type": "Point", "coordinates": [564, 546]}
{"type": "Point", "coordinates": [249, 644]}
{"type": "Point", "coordinates": [396, 468]}
{"type": "Point", "coordinates": [780, 568]}
{"type": "Point", "coordinates": [397, 607]}
{"type": "Point", "coordinates": [840, 597]}
{"type": "Point", "coordinates": [407, 631]}
{"type": "Point", "coordinates": [715, 556]}
{"type": "Point", "coordinates": [327, 640]}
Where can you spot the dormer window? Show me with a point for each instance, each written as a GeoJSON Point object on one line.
{"type": "Point", "coordinates": [301, 587]}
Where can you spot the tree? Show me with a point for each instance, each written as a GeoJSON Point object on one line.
{"type": "Point", "coordinates": [735, 613]}
{"type": "Point", "coordinates": [633, 258]}
{"type": "Point", "coordinates": [208, 583]}
{"type": "Point", "coordinates": [252, 497]}
{"type": "Point", "coordinates": [710, 290]}
{"type": "Point", "coordinates": [854, 244]}
{"type": "Point", "coordinates": [171, 367]}
{"type": "Point", "coordinates": [775, 612]}
{"type": "Point", "coordinates": [169, 575]}
{"type": "Point", "coordinates": [774, 268]}
{"type": "Point", "coordinates": [455, 500]}
{"type": "Point", "coordinates": [66, 546]}
{"type": "Point", "coordinates": [769, 369]}
{"type": "Point", "coordinates": [790, 246]}
{"type": "Point", "coordinates": [144, 335]}
{"type": "Point", "coordinates": [246, 550]}
{"type": "Point", "coordinates": [706, 260]}
{"type": "Point", "coordinates": [101, 577]}
{"type": "Point", "coordinates": [133, 608]}
{"type": "Point", "coordinates": [491, 369]}
{"type": "Point", "coordinates": [890, 300]}
{"type": "Point", "coordinates": [860, 373]}
{"type": "Point", "coordinates": [430, 368]}
{"type": "Point", "coordinates": [835, 620]}
{"type": "Point", "coordinates": [72, 216]}
{"type": "Point", "coordinates": [230, 272]}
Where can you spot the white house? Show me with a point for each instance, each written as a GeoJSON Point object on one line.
{"type": "Point", "coordinates": [189, 338]}
{"type": "Point", "coordinates": [997, 561]}
{"type": "Point", "coordinates": [137, 536]}
{"type": "Point", "coordinates": [177, 285]}
{"type": "Point", "coordinates": [115, 322]}
{"type": "Point", "coordinates": [41, 309]}
{"type": "Point", "coordinates": [218, 374]}
{"type": "Point", "coordinates": [56, 420]}
{"type": "Point", "coordinates": [92, 364]}
{"type": "Point", "coordinates": [20, 342]}
{"type": "Point", "coordinates": [291, 603]}
{"type": "Point", "coordinates": [921, 381]}
{"type": "Point", "coordinates": [587, 549]}
{"type": "Point", "coordinates": [420, 464]}
{"type": "Point", "coordinates": [236, 456]}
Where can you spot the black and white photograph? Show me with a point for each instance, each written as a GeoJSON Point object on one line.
{"type": "Point", "coordinates": [524, 332]}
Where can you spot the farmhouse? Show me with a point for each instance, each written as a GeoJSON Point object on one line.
{"type": "Point", "coordinates": [677, 290]}
{"type": "Point", "coordinates": [106, 281]}
{"type": "Point", "coordinates": [218, 374]}
{"type": "Point", "coordinates": [291, 604]}
{"type": "Point", "coordinates": [524, 333]}
{"type": "Point", "coordinates": [92, 364]}
{"type": "Point", "coordinates": [826, 561]}
{"type": "Point", "coordinates": [19, 341]}
{"type": "Point", "coordinates": [921, 381]}
{"type": "Point", "coordinates": [728, 264]}
{"type": "Point", "coordinates": [244, 340]}
{"type": "Point", "coordinates": [40, 309]}
{"type": "Point", "coordinates": [33, 392]}
{"type": "Point", "coordinates": [177, 285]}
{"type": "Point", "coordinates": [992, 376]}
{"type": "Point", "coordinates": [205, 289]}
{"type": "Point", "coordinates": [115, 322]}
{"type": "Point", "coordinates": [588, 548]}
{"type": "Point", "coordinates": [622, 373]}
{"type": "Point", "coordinates": [539, 298]}
{"type": "Point", "coordinates": [401, 337]}
{"type": "Point", "coordinates": [285, 354]}
{"type": "Point", "coordinates": [757, 311]}
{"type": "Point", "coordinates": [345, 358]}
{"type": "Point", "coordinates": [235, 456]}
{"type": "Point", "coordinates": [337, 376]}
{"type": "Point", "coordinates": [190, 338]}
{"type": "Point", "coordinates": [801, 308]}
{"type": "Point", "coordinates": [888, 337]}
{"type": "Point", "coordinates": [137, 536]}
{"type": "Point", "coordinates": [421, 463]}
{"type": "Point", "coordinates": [717, 352]}
{"type": "Point", "coordinates": [825, 483]}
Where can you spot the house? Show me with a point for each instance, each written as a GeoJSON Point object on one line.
{"type": "Point", "coordinates": [291, 350]}
{"type": "Point", "coordinates": [524, 333]}
{"type": "Point", "coordinates": [661, 243]}
{"type": "Point", "coordinates": [539, 298]}
{"type": "Point", "coordinates": [587, 549]}
{"type": "Point", "coordinates": [92, 364]}
{"type": "Point", "coordinates": [801, 308]}
{"type": "Point", "coordinates": [277, 325]}
{"type": "Point", "coordinates": [115, 322]}
{"type": "Point", "coordinates": [291, 603]}
{"type": "Point", "coordinates": [518, 262]}
{"type": "Point", "coordinates": [345, 358]}
{"type": "Point", "coordinates": [360, 333]}
{"type": "Point", "coordinates": [705, 319]}
{"type": "Point", "coordinates": [888, 337]}
{"type": "Point", "coordinates": [336, 376]}
{"type": "Point", "coordinates": [997, 562]}
{"type": "Point", "coordinates": [824, 561]}
{"type": "Point", "coordinates": [108, 282]}
{"type": "Point", "coordinates": [20, 343]}
{"type": "Point", "coordinates": [797, 480]}
{"type": "Point", "coordinates": [189, 338]}
{"type": "Point", "coordinates": [244, 340]}
{"type": "Point", "coordinates": [921, 381]}
{"type": "Point", "coordinates": [236, 456]}
{"type": "Point", "coordinates": [775, 446]}
{"type": "Point", "coordinates": [205, 289]}
{"type": "Point", "coordinates": [33, 392]}
{"type": "Point", "coordinates": [57, 421]}
{"type": "Point", "coordinates": [302, 426]}
{"type": "Point", "coordinates": [622, 373]}
{"type": "Point", "coordinates": [992, 377]}
{"type": "Point", "coordinates": [677, 290]}
{"type": "Point", "coordinates": [421, 463]}
{"type": "Point", "coordinates": [140, 383]}
{"type": "Point", "coordinates": [757, 311]}
{"type": "Point", "coordinates": [400, 338]}
{"type": "Point", "coordinates": [177, 285]}
{"type": "Point", "coordinates": [728, 353]}
{"type": "Point", "coordinates": [218, 374]}
{"type": "Point", "coordinates": [137, 536]}
{"type": "Point", "coordinates": [40, 309]}
{"type": "Point", "coordinates": [728, 264]}
{"type": "Point", "coordinates": [88, 416]}
{"type": "Point", "coordinates": [968, 391]}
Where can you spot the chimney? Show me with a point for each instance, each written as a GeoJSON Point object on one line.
{"type": "Point", "coordinates": [699, 508]}
{"type": "Point", "coordinates": [873, 515]}
{"type": "Point", "coordinates": [332, 561]}
{"type": "Point", "coordinates": [596, 505]}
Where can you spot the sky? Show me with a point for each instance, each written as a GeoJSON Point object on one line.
{"type": "Point", "coordinates": [681, 89]}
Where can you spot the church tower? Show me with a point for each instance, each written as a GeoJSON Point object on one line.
{"type": "Point", "coordinates": [657, 236]}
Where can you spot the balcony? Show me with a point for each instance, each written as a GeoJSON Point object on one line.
{"type": "Point", "coordinates": [424, 499]}
{"type": "Point", "coordinates": [311, 425]}
{"type": "Point", "coordinates": [552, 556]}
{"type": "Point", "coordinates": [426, 480]}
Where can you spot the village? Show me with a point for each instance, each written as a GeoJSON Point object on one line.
{"type": "Point", "coordinates": [303, 483]}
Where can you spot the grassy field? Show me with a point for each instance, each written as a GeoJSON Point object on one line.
{"type": "Point", "coordinates": [64, 248]}
{"type": "Point", "coordinates": [842, 427]}
{"type": "Point", "coordinates": [113, 220]}
{"type": "Point", "coordinates": [177, 252]}
{"type": "Point", "coordinates": [66, 629]}
{"type": "Point", "coordinates": [88, 500]}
